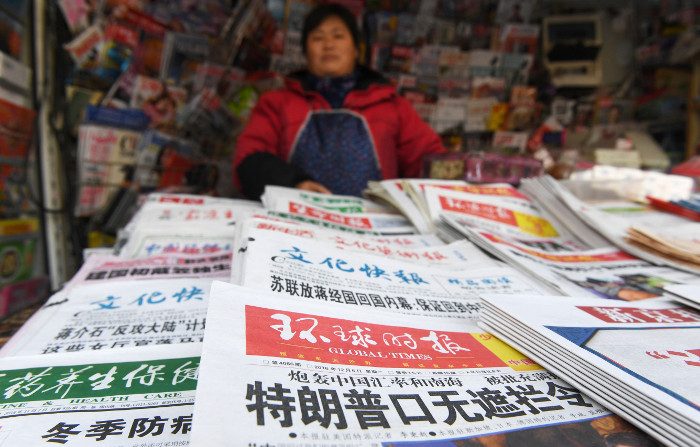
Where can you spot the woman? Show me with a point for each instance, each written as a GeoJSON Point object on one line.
{"type": "Point", "coordinates": [335, 125]}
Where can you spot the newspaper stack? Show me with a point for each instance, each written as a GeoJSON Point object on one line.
{"type": "Point", "coordinates": [347, 213]}
{"type": "Point", "coordinates": [114, 315]}
{"type": "Point", "coordinates": [422, 249]}
{"type": "Point", "coordinates": [295, 373]}
{"type": "Point", "coordinates": [612, 220]}
{"type": "Point", "coordinates": [548, 194]}
{"type": "Point", "coordinates": [497, 208]}
{"type": "Point", "coordinates": [183, 224]}
{"type": "Point", "coordinates": [505, 223]}
{"type": "Point", "coordinates": [681, 243]}
{"type": "Point", "coordinates": [113, 357]}
{"type": "Point", "coordinates": [688, 294]}
{"type": "Point", "coordinates": [566, 269]}
{"type": "Point", "coordinates": [638, 359]}
{"type": "Point", "coordinates": [396, 279]}
{"type": "Point", "coordinates": [406, 195]}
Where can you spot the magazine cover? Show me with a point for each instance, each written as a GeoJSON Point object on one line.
{"type": "Point", "coordinates": [514, 11]}
{"type": "Point", "coordinates": [16, 130]}
{"type": "Point", "coordinates": [11, 34]}
{"type": "Point", "coordinates": [181, 55]}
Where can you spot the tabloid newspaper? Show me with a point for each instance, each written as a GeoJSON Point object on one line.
{"type": "Point", "coordinates": [305, 269]}
{"type": "Point", "coordinates": [638, 359]}
{"type": "Point", "coordinates": [122, 314]}
{"type": "Point", "coordinates": [282, 373]}
{"type": "Point", "coordinates": [142, 398]}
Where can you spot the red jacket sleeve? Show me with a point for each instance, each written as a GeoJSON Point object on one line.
{"type": "Point", "coordinates": [262, 133]}
{"type": "Point", "coordinates": [416, 139]}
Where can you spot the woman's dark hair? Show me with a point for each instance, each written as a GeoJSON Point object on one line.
{"type": "Point", "coordinates": [320, 13]}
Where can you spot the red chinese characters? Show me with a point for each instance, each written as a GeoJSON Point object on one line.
{"type": "Point", "coordinates": [355, 222]}
{"type": "Point", "coordinates": [634, 315]}
{"type": "Point", "coordinates": [297, 336]}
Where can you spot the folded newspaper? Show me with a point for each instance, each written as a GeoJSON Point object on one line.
{"type": "Point", "coordinates": [277, 372]}
{"type": "Point", "coordinates": [612, 220]}
{"type": "Point", "coordinates": [679, 242]}
{"type": "Point", "coordinates": [688, 294]}
{"type": "Point", "coordinates": [115, 315]}
{"type": "Point", "coordinates": [640, 359]}
{"type": "Point", "coordinates": [345, 213]}
{"type": "Point", "coordinates": [506, 212]}
{"type": "Point", "coordinates": [304, 269]}
{"type": "Point", "coordinates": [406, 195]}
{"type": "Point", "coordinates": [183, 224]}
{"type": "Point", "coordinates": [602, 272]}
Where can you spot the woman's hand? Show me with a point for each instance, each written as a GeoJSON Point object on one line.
{"type": "Point", "coordinates": [310, 185]}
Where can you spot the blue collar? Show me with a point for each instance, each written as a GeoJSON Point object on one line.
{"type": "Point", "coordinates": [334, 90]}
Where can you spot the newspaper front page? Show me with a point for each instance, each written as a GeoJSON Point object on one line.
{"type": "Point", "coordinates": [142, 398]}
{"type": "Point", "coordinates": [283, 373]}
{"type": "Point", "coordinates": [183, 224]}
{"type": "Point", "coordinates": [508, 215]}
{"type": "Point", "coordinates": [309, 270]}
{"type": "Point", "coordinates": [183, 208]}
{"type": "Point", "coordinates": [108, 268]}
{"type": "Point", "coordinates": [178, 239]}
{"type": "Point", "coordinates": [107, 316]}
{"type": "Point", "coordinates": [335, 212]}
{"type": "Point", "coordinates": [275, 197]}
{"type": "Point", "coordinates": [341, 238]}
{"type": "Point", "coordinates": [457, 254]}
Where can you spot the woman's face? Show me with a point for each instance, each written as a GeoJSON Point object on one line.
{"type": "Point", "coordinates": [330, 50]}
